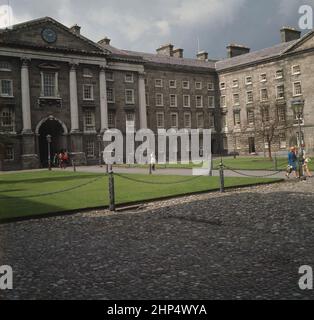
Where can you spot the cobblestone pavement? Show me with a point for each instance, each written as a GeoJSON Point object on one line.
{"type": "Point", "coordinates": [245, 244]}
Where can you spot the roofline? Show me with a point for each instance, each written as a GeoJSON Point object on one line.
{"type": "Point", "coordinates": [39, 20]}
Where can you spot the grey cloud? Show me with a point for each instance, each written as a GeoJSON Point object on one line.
{"type": "Point", "coordinates": [144, 25]}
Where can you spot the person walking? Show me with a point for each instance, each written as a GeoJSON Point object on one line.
{"type": "Point", "coordinates": [292, 163]}
{"type": "Point", "coordinates": [305, 163]}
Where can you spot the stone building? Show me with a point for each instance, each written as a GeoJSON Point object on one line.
{"type": "Point", "coordinates": [56, 82]}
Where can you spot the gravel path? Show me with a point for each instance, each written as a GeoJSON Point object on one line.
{"type": "Point", "coordinates": [245, 244]}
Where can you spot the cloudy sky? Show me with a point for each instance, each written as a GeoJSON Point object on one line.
{"type": "Point", "coordinates": [144, 25]}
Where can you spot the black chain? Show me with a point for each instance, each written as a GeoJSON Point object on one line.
{"type": "Point", "coordinates": [155, 182]}
{"type": "Point", "coordinates": [252, 176]}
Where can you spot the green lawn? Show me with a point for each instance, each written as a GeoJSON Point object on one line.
{"type": "Point", "coordinates": [15, 188]}
{"type": "Point", "coordinates": [240, 163]}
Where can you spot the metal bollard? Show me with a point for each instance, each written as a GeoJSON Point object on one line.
{"type": "Point", "coordinates": [222, 178]}
{"type": "Point", "coordinates": [211, 167]}
{"type": "Point", "coordinates": [112, 206]}
{"type": "Point", "coordinates": [150, 169]}
{"type": "Point", "coordinates": [74, 166]}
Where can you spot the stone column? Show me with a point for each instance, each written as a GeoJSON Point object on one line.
{"type": "Point", "coordinates": [103, 100]}
{"type": "Point", "coordinates": [29, 158]}
{"type": "Point", "coordinates": [142, 101]}
{"type": "Point", "coordinates": [73, 100]}
{"type": "Point", "coordinates": [26, 101]}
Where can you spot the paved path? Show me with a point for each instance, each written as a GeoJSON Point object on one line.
{"type": "Point", "coordinates": [183, 172]}
{"type": "Point", "coordinates": [247, 243]}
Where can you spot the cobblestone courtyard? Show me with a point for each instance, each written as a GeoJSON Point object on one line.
{"type": "Point", "coordinates": [245, 244]}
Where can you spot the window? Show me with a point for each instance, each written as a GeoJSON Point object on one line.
{"type": "Point", "coordinates": [264, 95]}
{"type": "Point", "coordinates": [198, 86]}
{"type": "Point", "coordinates": [211, 86]}
{"type": "Point", "coordinates": [174, 120]}
{"type": "Point", "coordinates": [172, 84]}
{"type": "Point", "coordinates": [211, 102]}
{"type": "Point", "coordinates": [237, 118]}
{"type": "Point", "coordinates": [111, 119]}
{"type": "Point", "coordinates": [249, 97]}
{"type": "Point", "coordinates": [130, 116]}
{"type": "Point", "coordinates": [9, 153]}
{"type": "Point", "coordinates": [223, 101]}
{"type": "Point", "coordinates": [281, 114]}
{"type": "Point", "coordinates": [160, 120]}
{"type": "Point", "coordinates": [147, 99]}
{"type": "Point", "coordinates": [282, 140]}
{"type": "Point", "coordinates": [235, 83]}
{"type": "Point", "coordinates": [109, 76]}
{"type": "Point", "coordinates": [199, 101]}
{"type": "Point", "coordinates": [211, 120]}
{"type": "Point", "coordinates": [89, 121]}
{"type": "Point", "coordinates": [265, 114]}
{"type": "Point", "coordinates": [5, 66]}
{"type": "Point", "coordinates": [187, 120]}
{"type": "Point", "coordinates": [159, 99]}
{"type": "Point", "coordinates": [49, 84]}
{"type": "Point", "coordinates": [297, 89]}
{"type": "Point", "coordinates": [129, 78]}
{"type": "Point", "coordinates": [186, 84]}
{"type": "Point", "coordinates": [224, 121]}
{"type": "Point", "coordinates": [296, 70]}
{"type": "Point", "coordinates": [173, 100]}
{"type": "Point", "coordinates": [280, 92]}
{"type": "Point", "coordinates": [250, 117]}
{"type": "Point", "coordinates": [236, 99]}
{"type": "Point", "coordinates": [6, 88]}
{"type": "Point", "coordinates": [263, 77]}
{"type": "Point", "coordinates": [88, 92]}
{"type": "Point", "coordinates": [248, 80]}
{"type": "Point", "coordinates": [222, 85]}
{"type": "Point", "coordinates": [279, 74]}
{"type": "Point", "coordinates": [158, 83]}
{"type": "Point", "coordinates": [7, 120]}
{"type": "Point", "coordinates": [87, 73]}
{"type": "Point", "coordinates": [186, 101]}
{"type": "Point", "coordinates": [200, 120]}
{"type": "Point", "coordinates": [110, 95]}
{"type": "Point", "coordinates": [129, 96]}
{"type": "Point", "coordinates": [90, 149]}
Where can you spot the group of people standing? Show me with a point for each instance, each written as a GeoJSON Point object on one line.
{"type": "Point", "coordinates": [61, 159]}
{"type": "Point", "coordinates": [294, 163]}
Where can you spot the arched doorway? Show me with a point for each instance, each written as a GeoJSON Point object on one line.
{"type": "Point", "coordinates": [57, 131]}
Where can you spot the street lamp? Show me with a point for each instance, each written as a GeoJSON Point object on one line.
{"type": "Point", "coordinates": [49, 139]}
{"type": "Point", "coordinates": [298, 106]}
{"type": "Point", "coordinates": [99, 139]}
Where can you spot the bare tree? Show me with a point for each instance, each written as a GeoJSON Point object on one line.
{"type": "Point", "coordinates": [268, 128]}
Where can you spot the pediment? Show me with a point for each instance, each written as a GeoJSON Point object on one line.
{"type": "Point", "coordinates": [47, 33]}
{"type": "Point", "coordinates": [305, 43]}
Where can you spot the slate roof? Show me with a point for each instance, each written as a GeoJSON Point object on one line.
{"type": "Point", "coordinates": [255, 56]}
{"type": "Point", "coordinates": [160, 59]}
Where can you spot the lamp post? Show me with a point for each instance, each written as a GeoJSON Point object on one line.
{"type": "Point", "coordinates": [99, 139]}
{"type": "Point", "coordinates": [49, 139]}
{"type": "Point", "coordinates": [298, 106]}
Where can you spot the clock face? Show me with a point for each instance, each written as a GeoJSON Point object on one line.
{"type": "Point", "coordinates": [49, 35]}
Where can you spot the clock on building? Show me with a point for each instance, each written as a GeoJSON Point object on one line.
{"type": "Point", "coordinates": [49, 35]}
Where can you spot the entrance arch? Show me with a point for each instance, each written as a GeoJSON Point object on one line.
{"type": "Point", "coordinates": [58, 131]}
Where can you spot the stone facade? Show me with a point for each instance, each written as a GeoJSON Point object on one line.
{"type": "Point", "coordinates": [55, 81]}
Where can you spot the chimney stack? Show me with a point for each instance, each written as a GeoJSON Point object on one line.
{"type": "Point", "coordinates": [104, 41]}
{"type": "Point", "coordinates": [289, 34]}
{"type": "Point", "coordinates": [235, 50]}
{"type": "Point", "coordinates": [178, 53]}
{"type": "Point", "coordinates": [76, 29]}
{"type": "Point", "coordinates": [202, 55]}
{"type": "Point", "coordinates": [165, 50]}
